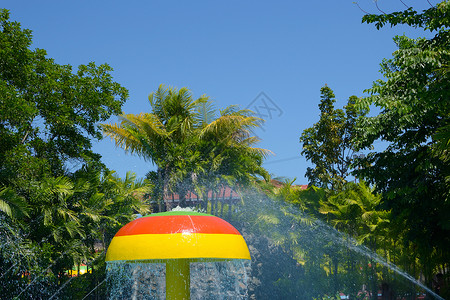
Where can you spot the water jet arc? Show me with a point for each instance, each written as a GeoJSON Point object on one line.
{"type": "Point", "coordinates": [177, 238]}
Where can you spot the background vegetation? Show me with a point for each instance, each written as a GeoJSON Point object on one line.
{"type": "Point", "coordinates": [60, 206]}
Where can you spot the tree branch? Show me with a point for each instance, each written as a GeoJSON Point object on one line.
{"type": "Point", "coordinates": [25, 137]}
{"type": "Point", "coordinates": [376, 4]}
{"type": "Point", "coordinates": [404, 4]}
{"type": "Point", "coordinates": [360, 10]}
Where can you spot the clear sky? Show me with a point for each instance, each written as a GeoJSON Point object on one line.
{"type": "Point", "coordinates": [270, 56]}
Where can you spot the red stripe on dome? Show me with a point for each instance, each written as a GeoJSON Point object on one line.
{"type": "Point", "coordinates": [177, 224]}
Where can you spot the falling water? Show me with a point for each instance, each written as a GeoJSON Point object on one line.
{"type": "Point", "coordinates": [136, 280]}
{"type": "Point", "coordinates": [209, 280]}
{"type": "Point", "coordinates": [219, 280]}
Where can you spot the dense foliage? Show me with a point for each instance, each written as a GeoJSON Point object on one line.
{"type": "Point", "coordinates": [408, 221]}
{"type": "Point", "coordinates": [412, 173]}
{"type": "Point", "coordinates": [58, 204]}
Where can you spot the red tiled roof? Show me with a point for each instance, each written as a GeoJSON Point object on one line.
{"type": "Point", "coordinates": [279, 184]}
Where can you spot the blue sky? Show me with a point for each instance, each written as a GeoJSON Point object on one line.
{"type": "Point", "coordinates": [236, 52]}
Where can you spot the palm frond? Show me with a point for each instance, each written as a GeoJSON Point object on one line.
{"type": "Point", "coordinates": [205, 111]}
{"type": "Point", "coordinates": [138, 134]}
{"type": "Point", "coordinates": [12, 204]}
{"type": "Point", "coordinates": [5, 207]}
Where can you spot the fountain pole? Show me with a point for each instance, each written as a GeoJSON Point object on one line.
{"type": "Point", "coordinates": [178, 279]}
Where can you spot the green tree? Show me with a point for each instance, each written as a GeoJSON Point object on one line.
{"type": "Point", "coordinates": [188, 143]}
{"type": "Point", "coordinates": [329, 144]}
{"type": "Point", "coordinates": [414, 119]}
{"type": "Point", "coordinates": [48, 116]}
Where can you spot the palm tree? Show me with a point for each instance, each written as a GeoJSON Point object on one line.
{"type": "Point", "coordinates": [188, 143]}
{"type": "Point", "coordinates": [355, 211]}
{"type": "Point", "coordinates": [52, 212]}
{"type": "Point", "coordinates": [157, 136]}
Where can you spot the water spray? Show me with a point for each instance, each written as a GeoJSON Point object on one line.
{"type": "Point", "coordinates": [176, 239]}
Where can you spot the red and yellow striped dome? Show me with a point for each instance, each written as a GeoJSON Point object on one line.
{"type": "Point", "coordinates": [175, 235]}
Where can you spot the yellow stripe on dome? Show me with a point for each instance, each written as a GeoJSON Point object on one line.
{"type": "Point", "coordinates": [179, 245]}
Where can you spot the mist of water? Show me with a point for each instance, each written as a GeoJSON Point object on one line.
{"type": "Point", "coordinates": [352, 244]}
{"type": "Point", "coordinates": [288, 248]}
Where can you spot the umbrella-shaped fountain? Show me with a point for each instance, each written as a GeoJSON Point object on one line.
{"type": "Point", "coordinates": [177, 239]}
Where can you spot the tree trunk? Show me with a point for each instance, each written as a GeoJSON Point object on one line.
{"type": "Point", "coordinates": [182, 197]}
{"type": "Point", "coordinates": [222, 201]}
{"type": "Point", "coordinates": [205, 202]}
{"type": "Point", "coordinates": [373, 272]}
{"type": "Point", "coordinates": [213, 203]}
{"type": "Point", "coordinates": [230, 207]}
{"type": "Point", "coordinates": [335, 263]}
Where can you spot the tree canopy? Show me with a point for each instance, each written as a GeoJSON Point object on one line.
{"type": "Point", "coordinates": [48, 112]}
{"type": "Point", "coordinates": [57, 200]}
{"type": "Point", "coordinates": [192, 146]}
{"type": "Point", "coordinates": [329, 143]}
{"type": "Point", "coordinates": [413, 171]}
